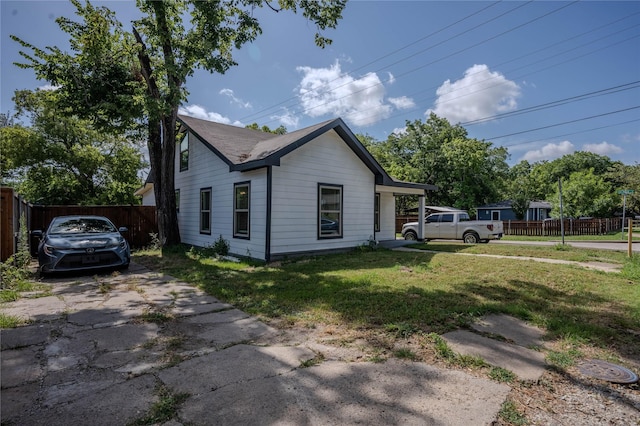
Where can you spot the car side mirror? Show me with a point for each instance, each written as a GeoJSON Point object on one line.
{"type": "Point", "coordinates": [36, 233]}
{"type": "Point", "coordinates": [123, 229]}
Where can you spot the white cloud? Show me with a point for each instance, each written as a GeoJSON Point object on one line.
{"type": "Point", "coordinates": [550, 151]}
{"type": "Point", "coordinates": [48, 87]}
{"type": "Point", "coordinates": [480, 93]}
{"type": "Point", "coordinates": [402, 102]}
{"type": "Point", "coordinates": [287, 119]}
{"type": "Point", "coordinates": [198, 111]}
{"type": "Point", "coordinates": [603, 148]}
{"type": "Point", "coordinates": [328, 91]}
{"type": "Point", "coordinates": [234, 99]}
{"type": "Point", "coordinates": [399, 131]}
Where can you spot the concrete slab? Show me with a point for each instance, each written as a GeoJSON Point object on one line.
{"type": "Point", "coordinates": [20, 366]}
{"type": "Point", "coordinates": [117, 338]}
{"type": "Point", "coordinates": [353, 393]}
{"type": "Point", "coordinates": [510, 328]}
{"type": "Point", "coordinates": [24, 336]}
{"type": "Point", "coordinates": [241, 331]}
{"type": "Point", "coordinates": [524, 363]}
{"type": "Point", "coordinates": [118, 404]}
{"type": "Point", "coordinates": [240, 363]}
{"type": "Point", "coordinates": [40, 309]}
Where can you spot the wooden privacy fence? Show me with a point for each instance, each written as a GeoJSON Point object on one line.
{"type": "Point", "coordinates": [552, 227]}
{"type": "Point", "coordinates": [12, 206]}
{"type": "Point", "coordinates": [139, 220]}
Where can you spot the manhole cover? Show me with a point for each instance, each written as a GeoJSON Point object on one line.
{"type": "Point", "coordinates": [606, 371]}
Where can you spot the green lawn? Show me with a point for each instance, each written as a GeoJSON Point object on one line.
{"type": "Point", "coordinates": [425, 292]}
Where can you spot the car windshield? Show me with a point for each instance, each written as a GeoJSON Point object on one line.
{"type": "Point", "coordinates": [82, 226]}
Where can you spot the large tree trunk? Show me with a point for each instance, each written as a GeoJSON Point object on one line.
{"type": "Point", "coordinates": [166, 207]}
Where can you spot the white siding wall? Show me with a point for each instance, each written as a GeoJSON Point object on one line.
{"type": "Point", "coordinates": [208, 170]}
{"type": "Point", "coordinates": [387, 217]}
{"type": "Point", "coordinates": [329, 160]}
{"type": "Point", "coordinates": [149, 198]}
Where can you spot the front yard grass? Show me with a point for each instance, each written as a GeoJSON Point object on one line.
{"type": "Point", "coordinates": [421, 293]}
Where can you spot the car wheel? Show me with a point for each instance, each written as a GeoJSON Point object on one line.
{"type": "Point", "coordinates": [411, 236]}
{"type": "Point", "coordinates": [471, 238]}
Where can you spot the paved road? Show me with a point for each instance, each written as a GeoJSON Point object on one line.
{"type": "Point", "coordinates": [601, 245]}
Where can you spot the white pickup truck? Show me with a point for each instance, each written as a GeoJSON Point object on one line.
{"type": "Point", "coordinates": [455, 225]}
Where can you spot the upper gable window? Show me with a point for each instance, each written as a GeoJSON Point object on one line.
{"type": "Point", "coordinates": [184, 151]}
{"type": "Point", "coordinates": [329, 211]}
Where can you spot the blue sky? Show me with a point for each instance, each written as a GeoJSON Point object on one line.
{"type": "Point", "coordinates": [541, 78]}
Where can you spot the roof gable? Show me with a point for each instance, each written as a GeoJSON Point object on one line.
{"type": "Point", "coordinates": [246, 149]}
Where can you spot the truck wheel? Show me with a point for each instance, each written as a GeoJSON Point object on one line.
{"type": "Point", "coordinates": [411, 236]}
{"type": "Point", "coordinates": [471, 238]}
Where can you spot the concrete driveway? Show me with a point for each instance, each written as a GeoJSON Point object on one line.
{"type": "Point", "coordinates": [144, 347]}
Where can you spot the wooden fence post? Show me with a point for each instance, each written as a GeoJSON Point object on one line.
{"type": "Point", "coordinates": [630, 238]}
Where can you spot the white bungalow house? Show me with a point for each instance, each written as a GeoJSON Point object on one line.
{"type": "Point", "coordinates": [270, 196]}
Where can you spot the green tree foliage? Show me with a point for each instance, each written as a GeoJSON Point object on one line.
{"type": "Point", "coordinates": [280, 130]}
{"type": "Point", "coordinates": [62, 159]}
{"type": "Point", "coordinates": [585, 193]}
{"type": "Point", "coordinates": [468, 172]}
{"type": "Point", "coordinates": [544, 175]}
{"type": "Point", "coordinates": [170, 41]}
{"type": "Point", "coordinates": [627, 177]}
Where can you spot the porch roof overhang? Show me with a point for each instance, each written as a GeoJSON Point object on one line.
{"type": "Point", "coordinates": [397, 187]}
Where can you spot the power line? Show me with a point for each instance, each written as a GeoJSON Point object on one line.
{"type": "Point", "coordinates": [448, 56]}
{"type": "Point", "coordinates": [393, 52]}
{"type": "Point", "coordinates": [572, 133]}
{"type": "Point", "coordinates": [539, 107]}
{"type": "Point", "coordinates": [565, 122]}
{"type": "Point", "coordinates": [404, 113]}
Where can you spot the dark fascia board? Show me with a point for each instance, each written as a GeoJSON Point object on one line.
{"type": "Point", "coordinates": [399, 184]}
{"type": "Point", "coordinates": [208, 145]}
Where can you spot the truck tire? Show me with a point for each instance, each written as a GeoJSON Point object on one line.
{"type": "Point", "coordinates": [471, 238]}
{"type": "Point", "coordinates": [410, 236]}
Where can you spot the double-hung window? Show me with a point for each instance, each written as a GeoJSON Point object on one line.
{"type": "Point", "coordinates": [205, 211]}
{"type": "Point", "coordinates": [329, 211]}
{"type": "Point", "coordinates": [241, 205]}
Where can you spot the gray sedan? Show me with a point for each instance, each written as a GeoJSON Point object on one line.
{"type": "Point", "coordinates": [73, 243]}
